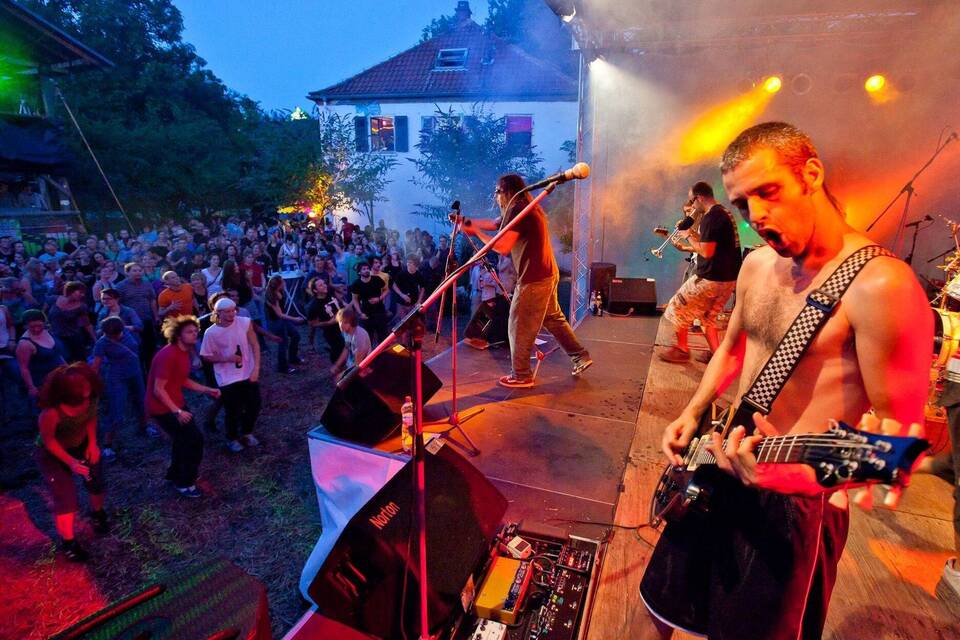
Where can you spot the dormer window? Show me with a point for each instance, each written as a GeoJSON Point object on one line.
{"type": "Point", "coordinates": [451, 60]}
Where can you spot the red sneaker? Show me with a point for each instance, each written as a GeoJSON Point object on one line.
{"type": "Point", "coordinates": [515, 383]}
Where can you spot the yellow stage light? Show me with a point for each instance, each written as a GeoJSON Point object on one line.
{"type": "Point", "coordinates": [875, 83]}
{"type": "Point", "coordinates": [772, 84]}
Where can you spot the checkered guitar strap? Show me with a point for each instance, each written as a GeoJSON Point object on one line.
{"type": "Point", "coordinates": [820, 305]}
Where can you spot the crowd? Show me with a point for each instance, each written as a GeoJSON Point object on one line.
{"type": "Point", "coordinates": [137, 318]}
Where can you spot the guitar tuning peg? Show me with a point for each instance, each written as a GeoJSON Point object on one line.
{"type": "Point", "coordinates": [864, 498]}
{"type": "Point", "coordinates": [869, 422]}
{"type": "Point", "coordinates": [916, 430]}
{"type": "Point", "coordinates": [892, 499]}
{"type": "Point", "coordinates": [890, 427]}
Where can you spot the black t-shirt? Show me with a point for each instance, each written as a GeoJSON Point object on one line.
{"type": "Point", "coordinates": [366, 290]}
{"type": "Point", "coordinates": [719, 226]}
{"type": "Point", "coordinates": [324, 309]}
{"type": "Point", "coordinates": [532, 254]}
{"type": "Point", "coordinates": [410, 284]}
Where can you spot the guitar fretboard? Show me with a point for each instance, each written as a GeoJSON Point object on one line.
{"type": "Point", "coordinates": [794, 448]}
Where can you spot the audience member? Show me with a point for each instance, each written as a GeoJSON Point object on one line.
{"type": "Point", "coordinates": [116, 358]}
{"type": "Point", "coordinates": [70, 321]}
{"type": "Point", "coordinates": [280, 323]}
{"type": "Point", "coordinates": [355, 338]}
{"type": "Point", "coordinates": [367, 295]}
{"type": "Point", "coordinates": [176, 299]}
{"type": "Point", "coordinates": [322, 314]}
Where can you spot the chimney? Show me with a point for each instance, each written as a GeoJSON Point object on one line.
{"type": "Point", "coordinates": [463, 13]}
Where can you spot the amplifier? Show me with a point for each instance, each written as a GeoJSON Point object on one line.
{"type": "Point", "coordinates": [632, 296]}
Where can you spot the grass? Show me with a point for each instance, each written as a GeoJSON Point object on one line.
{"type": "Point", "coordinates": [260, 511]}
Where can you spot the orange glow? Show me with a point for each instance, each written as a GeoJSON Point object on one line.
{"type": "Point", "coordinates": [916, 566]}
{"type": "Point", "coordinates": [708, 135]}
{"type": "Point", "coordinates": [772, 84]}
{"type": "Point", "coordinates": [875, 83]}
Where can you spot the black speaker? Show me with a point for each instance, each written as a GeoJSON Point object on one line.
{"type": "Point", "coordinates": [601, 273]}
{"type": "Point", "coordinates": [638, 294]}
{"type": "Point", "coordinates": [370, 579]}
{"type": "Point", "coordinates": [365, 406]}
{"type": "Point", "coordinates": [490, 322]}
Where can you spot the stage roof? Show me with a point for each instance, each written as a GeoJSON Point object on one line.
{"type": "Point", "coordinates": [40, 43]}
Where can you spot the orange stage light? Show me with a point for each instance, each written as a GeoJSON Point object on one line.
{"type": "Point", "coordinates": [772, 84]}
{"type": "Point", "coordinates": [875, 83]}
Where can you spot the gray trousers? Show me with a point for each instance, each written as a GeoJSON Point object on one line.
{"type": "Point", "coordinates": [950, 399]}
{"type": "Point", "coordinates": [535, 305]}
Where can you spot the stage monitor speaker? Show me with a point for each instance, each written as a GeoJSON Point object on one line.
{"type": "Point", "coordinates": [370, 579]}
{"type": "Point", "coordinates": [638, 294]}
{"type": "Point", "coordinates": [601, 273]}
{"type": "Point", "coordinates": [365, 407]}
{"type": "Point", "coordinates": [215, 600]}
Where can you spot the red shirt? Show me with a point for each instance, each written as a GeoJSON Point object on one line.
{"type": "Point", "coordinates": [256, 273]}
{"type": "Point", "coordinates": [173, 364]}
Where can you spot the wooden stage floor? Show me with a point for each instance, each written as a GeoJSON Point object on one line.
{"type": "Point", "coordinates": [888, 573]}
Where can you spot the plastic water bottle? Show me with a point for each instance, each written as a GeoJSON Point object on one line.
{"type": "Point", "coordinates": [406, 426]}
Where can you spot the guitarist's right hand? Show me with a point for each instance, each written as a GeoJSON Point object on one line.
{"type": "Point", "coordinates": [677, 436]}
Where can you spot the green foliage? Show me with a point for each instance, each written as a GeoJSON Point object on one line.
{"type": "Point", "coordinates": [438, 27]}
{"type": "Point", "coordinates": [462, 157]}
{"type": "Point", "coordinates": [561, 203]}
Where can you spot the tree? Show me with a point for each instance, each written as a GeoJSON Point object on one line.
{"type": "Point", "coordinates": [461, 158]}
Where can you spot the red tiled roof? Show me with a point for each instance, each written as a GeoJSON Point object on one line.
{"type": "Point", "coordinates": [508, 73]}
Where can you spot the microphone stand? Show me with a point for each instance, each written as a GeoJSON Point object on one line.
{"type": "Point", "coordinates": [454, 419]}
{"type": "Point", "coordinates": [909, 190]}
{"type": "Point", "coordinates": [412, 325]}
{"type": "Point", "coordinates": [493, 272]}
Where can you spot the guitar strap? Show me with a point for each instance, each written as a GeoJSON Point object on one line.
{"type": "Point", "coordinates": [819, 307]}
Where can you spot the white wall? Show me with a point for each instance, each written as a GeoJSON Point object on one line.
{"type": "Point", "coordinates": [553, 123]}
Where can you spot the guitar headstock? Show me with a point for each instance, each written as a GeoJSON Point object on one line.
{"type": "Point", "coordinates": [844, 455]}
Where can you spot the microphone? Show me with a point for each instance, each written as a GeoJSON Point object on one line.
{"type": "Point", "coordinates": [917, 223]}
{"type": "Point", "coordinates": [578, 171]}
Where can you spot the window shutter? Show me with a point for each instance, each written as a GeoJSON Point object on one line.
{"type": "Point", "coordinates": [402, 132]}
{"type": "Point", "coordinates": [360, 133]}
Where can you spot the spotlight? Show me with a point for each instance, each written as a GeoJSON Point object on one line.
{"type": "Point", "coordinates": [772, 84]}
{"type": "Point", "coordinates": [875, 83]}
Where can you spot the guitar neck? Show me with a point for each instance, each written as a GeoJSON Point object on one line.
{"type": "Point", "coordinates": [773, 449]}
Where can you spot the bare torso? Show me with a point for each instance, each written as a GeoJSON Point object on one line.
{"type": "Point", "coordinates": [827, 382]}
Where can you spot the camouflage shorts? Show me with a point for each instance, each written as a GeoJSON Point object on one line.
{"type": "Point", "coordinates": [698, 299]}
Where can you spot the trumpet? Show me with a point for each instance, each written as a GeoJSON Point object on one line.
{"type": "Point", "coordinates": [682, 225]}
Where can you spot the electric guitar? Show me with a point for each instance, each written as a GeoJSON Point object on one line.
{"type": "Point", "coordinates": [841, 455]}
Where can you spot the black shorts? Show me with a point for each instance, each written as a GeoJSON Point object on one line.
{"type": "Point", "coordinates": [60, 479]}
{"type": "Point", "coordinates": [759, 565]}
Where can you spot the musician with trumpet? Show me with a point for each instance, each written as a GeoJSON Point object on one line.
{"type": "Point", "coordinates": [704, 294]}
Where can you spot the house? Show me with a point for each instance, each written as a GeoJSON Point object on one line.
{"type": "Point", "coordinates": [394, 100]}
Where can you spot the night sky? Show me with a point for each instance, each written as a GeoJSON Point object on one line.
{"type": "Point", "coordinates": [276, 52]}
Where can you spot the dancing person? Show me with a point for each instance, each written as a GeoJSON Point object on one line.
{"type": "Point", "coordinates": [775, 535]}
{"type": "Point", "coordinates": [356, 340]}
{"type": "Point", "coordinates": [67, 447]}
{"type": "Point", "coordinates": [534, 304]}
{"type": "Point", "coordinates": [231, 346]}
{"type": "Point", "coordinates": [69, 320]}
{"type": "Point", "coordinates": [408, 286]}
{"type": "Point", "coordinates": [322, 314]}
{"type": "Point", "coordinates": [116, 358]}
{"type": "Point", "coordinates": [38, 354]}
{"type": "Point", "coordinates": [138, 294]}
{"type": "Point", "coordinates": [367, 294]}
{"type": "Point", "coordinates": [169, 376]}
{"type": "Point", "coordinates": [704, 295]}
{"type": "Point", "coordinates": [282, 324]}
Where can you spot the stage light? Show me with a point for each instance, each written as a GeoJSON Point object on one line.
{"type": "Point", "coordinates": [875, 83]}
{"type": "Point", "coordinates": [772, 84]}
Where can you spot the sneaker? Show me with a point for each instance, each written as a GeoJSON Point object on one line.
{"type": "Point", "coordinates": [675, 355]}
{"type": "Point", "coordinates": [948, 588]}
{"type": "Point", "coordinates": [476, 343]}
{"type": "Point", "coordinates": [74, 552]}
{"type": "Point", "coordinates": [581, 364]}
{"type": "Point", "coordinates": [152, 431]}
{"type": "Point", "coordinates": [515, 383]}
{"type": "Point", "coordinates": [100, 523]}
{"type": "Point", "coordinates": [108, 454]}
{"type": "Point", "coordinates": [250, 440]}
{"type": "Point", "coordinates": [235, 445]}
{"type": "Point", "coordinates": [190, 492]}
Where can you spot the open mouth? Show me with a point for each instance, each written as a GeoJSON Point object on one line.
{"type": "Point", "coordinates": [772, 237]}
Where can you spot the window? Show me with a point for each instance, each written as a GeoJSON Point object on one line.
{"type": "Point", "coordinates": [520, 132]}
{"type": "Point", "coordinates": [428, 124]}
{"type": "Point", "coordinates": [451, 60]}
{"type": "Point", "coordinates": [381, 133]}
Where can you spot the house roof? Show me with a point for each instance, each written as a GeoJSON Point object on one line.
{"type": "Point", "coordinates": [494, 70]}
{"type": "Point", "coordinates": [45, 44]}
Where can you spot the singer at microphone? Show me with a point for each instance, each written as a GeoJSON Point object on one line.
{"type": "Point", "coordinates": [534, 304]}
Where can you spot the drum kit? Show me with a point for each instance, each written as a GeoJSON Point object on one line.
{"type": "Point", "coordinates": [946, 337]}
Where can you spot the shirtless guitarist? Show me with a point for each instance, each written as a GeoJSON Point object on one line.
{"type": "Point", "coordinates": [764, 565]}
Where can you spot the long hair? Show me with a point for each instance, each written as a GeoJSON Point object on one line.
{"type": "Point", "coordinates": [510, 185]}
{"type": "Point", "coordinates": [174, 326]}
{"type": "Point", "coordinates": [61, 385]}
